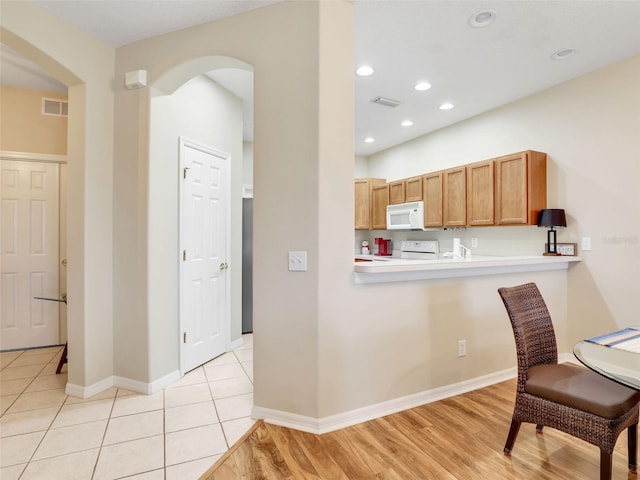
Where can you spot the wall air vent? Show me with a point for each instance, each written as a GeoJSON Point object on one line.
{"type": "Point", "coordinates": [387, 102]}
{"type": "Point", "coordinates": [55, 107]}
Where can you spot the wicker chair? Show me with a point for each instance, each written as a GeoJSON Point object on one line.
{"type": "Point", "coordinates": [567, 397]}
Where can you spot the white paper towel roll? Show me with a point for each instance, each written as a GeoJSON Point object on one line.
{"type": "Point", "coordinates": [456, 247]}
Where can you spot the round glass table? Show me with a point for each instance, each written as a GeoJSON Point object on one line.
{"type": "Point", "coordinates": [622, 366]}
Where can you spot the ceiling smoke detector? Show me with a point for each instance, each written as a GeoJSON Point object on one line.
{"type": "Point", "coordinates": [387, 102]}
{"type": "Point", "coordinates": [564, 53]}
{"type": "Point", "coordinates": [483, 18]}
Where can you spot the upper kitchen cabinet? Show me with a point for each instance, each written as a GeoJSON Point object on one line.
{"type": "Point", "coordinates": [521, 188]}
{"type": "Point", "coordinates": [413, 189]}
{"type": "Point", "coordinates": [397, 192]}
{"type": "Point", "coordinates": [480, 196]}
{"type": "Point", "coordinates": [455, 197]}
{"type": "Point", "coordinates": [432, 196]}
{"type": "Point", "coordinates": [379, 202]}
{"type": "Point", "coordinates": [406, 190]}
{"type": "Point", "coordinates": [363, 188]}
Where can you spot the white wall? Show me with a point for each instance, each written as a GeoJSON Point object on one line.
{"type": "Point", "coordinates": [204, 112]}
{"type": "Point", "coordinates": [293, 146]}
{"type": "Point", "coordinates": [361, 166]}
{"type": "Point", "coordinates": [247, 163]}
{"type": "Point", "coordinates": [323, 345]}
{"type": "Point", "coordinates": [86, 65]}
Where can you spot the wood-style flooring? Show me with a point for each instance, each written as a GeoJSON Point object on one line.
{"type": "Point", "coordinates": [458, 438]}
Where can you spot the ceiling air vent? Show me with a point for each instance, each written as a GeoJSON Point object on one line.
{"type": "Point", "coordinates": [387, 102]}
{"type": "Point", "coordinates": [53, 106]}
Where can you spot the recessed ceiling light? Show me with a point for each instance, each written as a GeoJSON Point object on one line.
{"type": "Point", "coordinates": [483, 18]}
{"type": "Point", "coordinates": [364, 71]}
{"type": "Point", "coordinates": [369, 140]}
{"type": "Point", "coordinates": [422, 86]}
{"type": "Point", "coordinates": [446, 106]}
{"type": "Point", "coordinates": [407, 123]}
{"type": "Point", "coordinates": [564, 53]}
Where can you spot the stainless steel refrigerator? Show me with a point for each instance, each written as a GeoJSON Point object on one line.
{"type": "Point", "coordinates": [247, 265]}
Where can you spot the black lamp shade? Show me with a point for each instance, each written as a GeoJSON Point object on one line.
{"type": "Point", "coordinates": [552, 217]}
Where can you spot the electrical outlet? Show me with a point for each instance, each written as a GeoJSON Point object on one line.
{"type": "Point", "coordinates": [297, 261]}
{"type": "Point", "coordinates": [586, 243]}
{"type": "Point", "coordinates": [462, 348]}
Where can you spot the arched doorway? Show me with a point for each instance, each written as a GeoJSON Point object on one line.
{"type": "Point", "coordinates": [89, 160]}
{"type": "Point", "coordinates": [186, 102]}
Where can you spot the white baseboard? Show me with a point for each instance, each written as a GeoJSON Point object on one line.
{"type": "Point", "coordinates": [164, 381]}
{"type": "Point", "coordinates": [146, 388]}
{"type": "Point", "coordinates": [122, 382]}
{"type": "Point", "coordinates": [359, 415]}
{"type": "Point", "coordinates": [310, 424]}
{"type": "Point", "coordinates": [235, 344]}
{"type": "Point", "coordinates": [90, 390]}
{"type": "Point", "coordinates": [132, 385]}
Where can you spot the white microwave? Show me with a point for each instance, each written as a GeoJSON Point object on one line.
{"type": "Point", "coordinates": [405, 216]}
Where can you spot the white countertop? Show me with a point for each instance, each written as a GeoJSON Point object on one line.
{"type": "Point", "coordinates": [392, 269]}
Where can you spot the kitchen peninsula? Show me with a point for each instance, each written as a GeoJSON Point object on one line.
{"type": "Point", "coordinates": [500, 192]}
{"type": "Point", "coordinates": [372, 269]}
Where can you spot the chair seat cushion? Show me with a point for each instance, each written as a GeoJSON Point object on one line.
{"type": "Point", "coordinates": [582, 389]}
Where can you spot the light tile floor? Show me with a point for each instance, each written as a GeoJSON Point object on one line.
{"type": "Point", "coordinates": [175, 434]}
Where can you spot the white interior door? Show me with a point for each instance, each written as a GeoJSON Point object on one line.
{"type": "Point", "coordinates": [204, 312]}
{"type": "Point", "coordinates": [30, 223]}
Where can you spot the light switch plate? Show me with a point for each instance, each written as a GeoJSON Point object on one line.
{"type": "Point", "coordinates": [298, 261]}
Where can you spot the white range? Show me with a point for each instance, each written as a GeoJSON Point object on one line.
{"type": "Point", "coordinates": [419, 250]}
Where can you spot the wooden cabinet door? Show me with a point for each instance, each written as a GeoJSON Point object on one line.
{"type": "Point", "coordinates": [362, 191]}
{"type": "Point", "coordinates": [521, 188]}
{"type": "Point", "coordinates": [379, 202]}
{"type": "Point", "coordinates": [480, 197]}
{"type": "Point", "coordinates": [363, 208]}
{"type": "Point", "coordinates": [432, 196]}
{"type": "Point", "coordinates": [455, 197]}
{"type": "Point", "coordinates": [413, 189]}
{"type": "Point", "coordinates": [396, 192]}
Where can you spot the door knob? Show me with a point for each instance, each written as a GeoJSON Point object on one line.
{"type": "Point", "coordinates": [224, 266]}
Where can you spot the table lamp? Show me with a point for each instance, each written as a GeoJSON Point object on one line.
{"type": "Point", "coordinates": [552, 217]}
